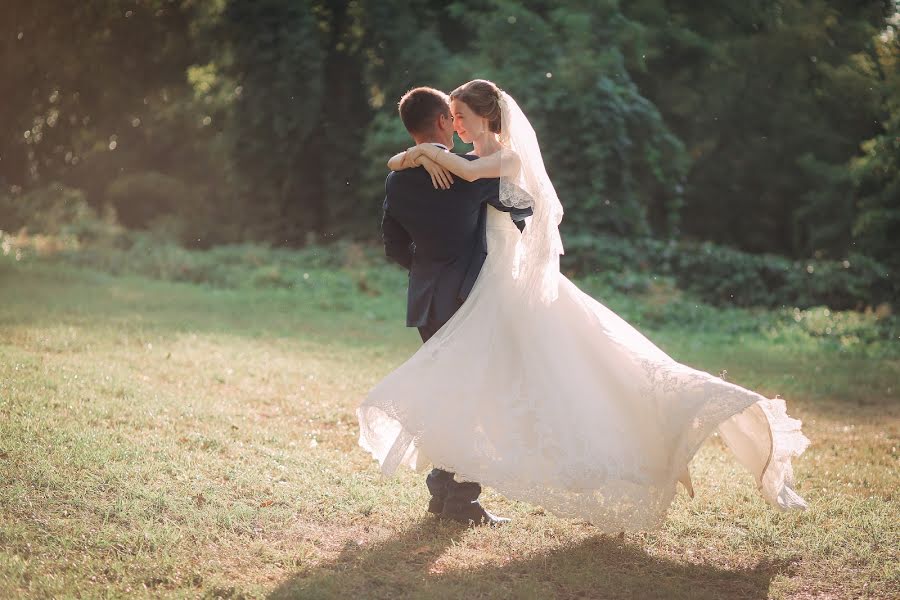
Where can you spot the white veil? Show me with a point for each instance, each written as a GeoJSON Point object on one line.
{"type": "Point", "coordinates": [537, 257]}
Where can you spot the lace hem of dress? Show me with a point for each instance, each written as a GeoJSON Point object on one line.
{"type": "Point", "coordinates": [620, 504]}
{"type": "Point", "coordinates": [777, 481]}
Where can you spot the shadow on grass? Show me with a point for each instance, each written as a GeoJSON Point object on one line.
{"type": "Point", "coordinates": [599, 567]}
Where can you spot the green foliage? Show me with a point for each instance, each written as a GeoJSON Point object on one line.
{"type": "Point", "coordinates": [766, 127]}
{"type": "Point", "coordinates": [54, 210]}
{"type": "Point", "coordinates": [228, 266]}
{"type": "Point", "coordinates": [839, 330]}
{"type": "Point", "coordinates": [694, 296]}
{"type": "Point", "coordinates": [876, 230]}
{"type": "Point", "coordinates": [408, 46]}
{"type": "Point", "coordinates": [771, 100]}
{"type": "Point", "coordinates": [723, 276]}
{"type": "Point", "coordinates": [83, 116]}
{"type": "Point", "coordinates": [614, 163]}
{"type": "Point", "coordinates": [278, 63]}
{"type": "Point", "coordinates": [876, 173]}
{"type": "Point", "coordinates": [715, 274]}
{"type": "Point", "coordinates": [821, 221]}
{"type": "Point", "coordinates": [142, 197]}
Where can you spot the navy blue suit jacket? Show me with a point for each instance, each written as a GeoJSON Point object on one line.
{"type": "Point", "coordinates": [440, 236]}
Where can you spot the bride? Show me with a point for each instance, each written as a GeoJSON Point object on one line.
{"type": "Point", "coordinates": [539, 391]}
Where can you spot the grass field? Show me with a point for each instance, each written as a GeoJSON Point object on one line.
{"type": "Point", "coordinates": [181, 440]}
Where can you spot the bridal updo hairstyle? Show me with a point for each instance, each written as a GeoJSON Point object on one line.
{"type": "Point", "coordinates": [420, 107]}
{"type": "Point", "coordinates": [483, 97]}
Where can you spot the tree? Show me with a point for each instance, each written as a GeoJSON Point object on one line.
{"type": "Point", "coordinates": [766, 95]}
{"type": "Point", "coordinates": [876, 174]}
{"type": "Point", "coordinates": [80, 82]}
{"type": "Point", "coordinates": [615, 164]}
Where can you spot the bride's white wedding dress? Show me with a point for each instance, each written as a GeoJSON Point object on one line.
{"type": "Point", "coordinates": [564, 405]}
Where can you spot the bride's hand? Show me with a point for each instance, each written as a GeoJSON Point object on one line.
{"type": "Point", "coordinates": [413, 153]}
{"type": "Point", "coordinates": [410, 156]}
{"type": "Point", "coordinates": [440, 177]}
{"type": "Point", "coordinates": [406, 159]}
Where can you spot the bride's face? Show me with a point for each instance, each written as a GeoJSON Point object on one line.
{"type": "Point", "coordinates": [467, 124]}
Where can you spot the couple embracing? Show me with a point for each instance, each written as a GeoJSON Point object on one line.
{"type": "Point", "coordinates": [524, 383]}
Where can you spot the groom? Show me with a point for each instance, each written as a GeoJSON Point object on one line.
{"type": "Point", "coordinates": [440, 237]}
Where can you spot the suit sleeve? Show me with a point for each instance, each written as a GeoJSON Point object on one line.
{"type": "Point", "coordinates": [398, 245]}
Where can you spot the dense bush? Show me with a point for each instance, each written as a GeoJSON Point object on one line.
{"type": "Point", "coordinates": [169, 207]}
{"type": "Point", "coordinates": [346, 276]}
{"type": "Point", "coordinates": [245, 265]}
{"type": "Point", "coordinates": [724, 276]}
{"type": "Point", "coordinates": [714, 274]}
{"type": "Point", "coordinates": [140, 198]}
{"type": "Point", "coordinates": [55, 210]}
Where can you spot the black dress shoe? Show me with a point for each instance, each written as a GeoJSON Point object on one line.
{"type": "Point", "coordinates": [436, 505]}
{"type": "Point", "coordinates": [471, 512]}
{"type": "Point", "coordinates": [438, 482]}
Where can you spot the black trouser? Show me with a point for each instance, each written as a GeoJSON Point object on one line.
{"type": "Point", "coordinates": [441, 483]}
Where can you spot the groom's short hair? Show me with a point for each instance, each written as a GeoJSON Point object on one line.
{"type": "Point", "coordinates": [420, 107]}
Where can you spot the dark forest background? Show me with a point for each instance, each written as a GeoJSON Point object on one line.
{"type": "Point", "coordinates": [757, 140]}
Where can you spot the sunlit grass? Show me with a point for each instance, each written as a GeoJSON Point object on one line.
{"type": "Point", "coordinates": [164, 439]}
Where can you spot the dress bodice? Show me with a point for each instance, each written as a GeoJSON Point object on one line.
{"type": "Point", "coordinates": [497, 219]}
